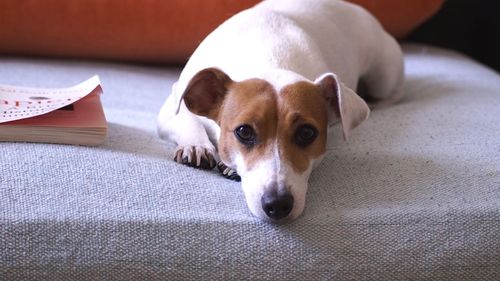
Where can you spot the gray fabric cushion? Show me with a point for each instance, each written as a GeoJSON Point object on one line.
{"type": "Point", "coordinates": [414, 194]}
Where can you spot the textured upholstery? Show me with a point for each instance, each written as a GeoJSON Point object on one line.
{"type": "Point", "coordinates": [414, 194]}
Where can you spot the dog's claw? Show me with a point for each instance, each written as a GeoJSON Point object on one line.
{"type": "Point", "coordinates": [195, 156]}
{"type": "Point", "coordinates": [228, 172]}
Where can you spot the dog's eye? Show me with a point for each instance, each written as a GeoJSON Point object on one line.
{"type": "Point", "coordinates": [246, 135]}
{"type": "Point", "coordinates": [305, 135]}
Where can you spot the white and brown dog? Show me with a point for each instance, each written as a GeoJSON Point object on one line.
{"type": "Point", "coordinates": [260, 92]}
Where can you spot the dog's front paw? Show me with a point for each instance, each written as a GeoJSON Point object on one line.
{"type": "Point", "coordinates": [228, 172]}
{"type": "Point", "coordinates": [195, 156]}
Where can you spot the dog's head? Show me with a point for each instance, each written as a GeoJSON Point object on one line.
{"type": "Point", "coordinates": [273, 135]}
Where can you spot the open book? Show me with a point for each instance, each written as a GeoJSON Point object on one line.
{"type": "Point", "coordinates": [69, 115]}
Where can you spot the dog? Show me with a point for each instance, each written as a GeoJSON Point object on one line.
{"type": "Point", "coordinates": [258, 95]}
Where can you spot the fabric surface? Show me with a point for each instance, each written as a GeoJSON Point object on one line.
{"type": "Point", "coordinates": [414, 195]}
{"type": "Point", "coordinates": [149, 30]}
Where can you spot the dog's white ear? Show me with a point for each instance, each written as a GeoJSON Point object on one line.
{"type": "Point", "coordinates": [343, 103]}
{"type": "Point", "coordinates": [206, 91]}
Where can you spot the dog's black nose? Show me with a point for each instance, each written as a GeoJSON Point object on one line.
{"type": "Point", "coordinates": [277, 205]}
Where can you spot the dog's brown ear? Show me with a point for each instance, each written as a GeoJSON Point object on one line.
{"type": "Point", "coordinates": [343, 103]}
{"type": "Point", "coordinates": [206, 91]}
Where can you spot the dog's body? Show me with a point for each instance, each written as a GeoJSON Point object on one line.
{"type": "Point", "coordinates": [260, 91]}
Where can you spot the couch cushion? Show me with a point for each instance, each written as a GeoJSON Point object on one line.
{"type": "Point", "coordinates": [401, 17]}
{"type": "Point", "coordinates": [415, 194]}
{"type": "Point", "coordinates": [150, 30]}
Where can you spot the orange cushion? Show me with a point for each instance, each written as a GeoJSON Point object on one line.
{"type": "Point", "coordinates": [137, 30]}
{"type": "Point", "coordinates": [400, 17]}
{"type": "Point", "coordinates": [147, 30]}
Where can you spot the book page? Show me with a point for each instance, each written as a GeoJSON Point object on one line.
{"type": "Point", "coordinates": [18, 103]}
{"type": "Point", "coordinates": [86, 112]}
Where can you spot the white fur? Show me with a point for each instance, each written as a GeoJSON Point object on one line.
{"type": "Point", "coordinates": [282, 42]}
{"type": "Point", "coordinates": [272, 172]}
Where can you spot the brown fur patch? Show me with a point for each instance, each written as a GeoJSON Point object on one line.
{"type": "Point", "coordinates": [251, 102]}
{"type": "Point", "coordinates": [206, 91]}
{"type": "Point", "coordinates": [301, 103]}
{"type": "Point", "coordinates": [275, 119]}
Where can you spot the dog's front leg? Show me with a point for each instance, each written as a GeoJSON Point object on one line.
{"type": "Point", "coordinates": [194, 147]}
